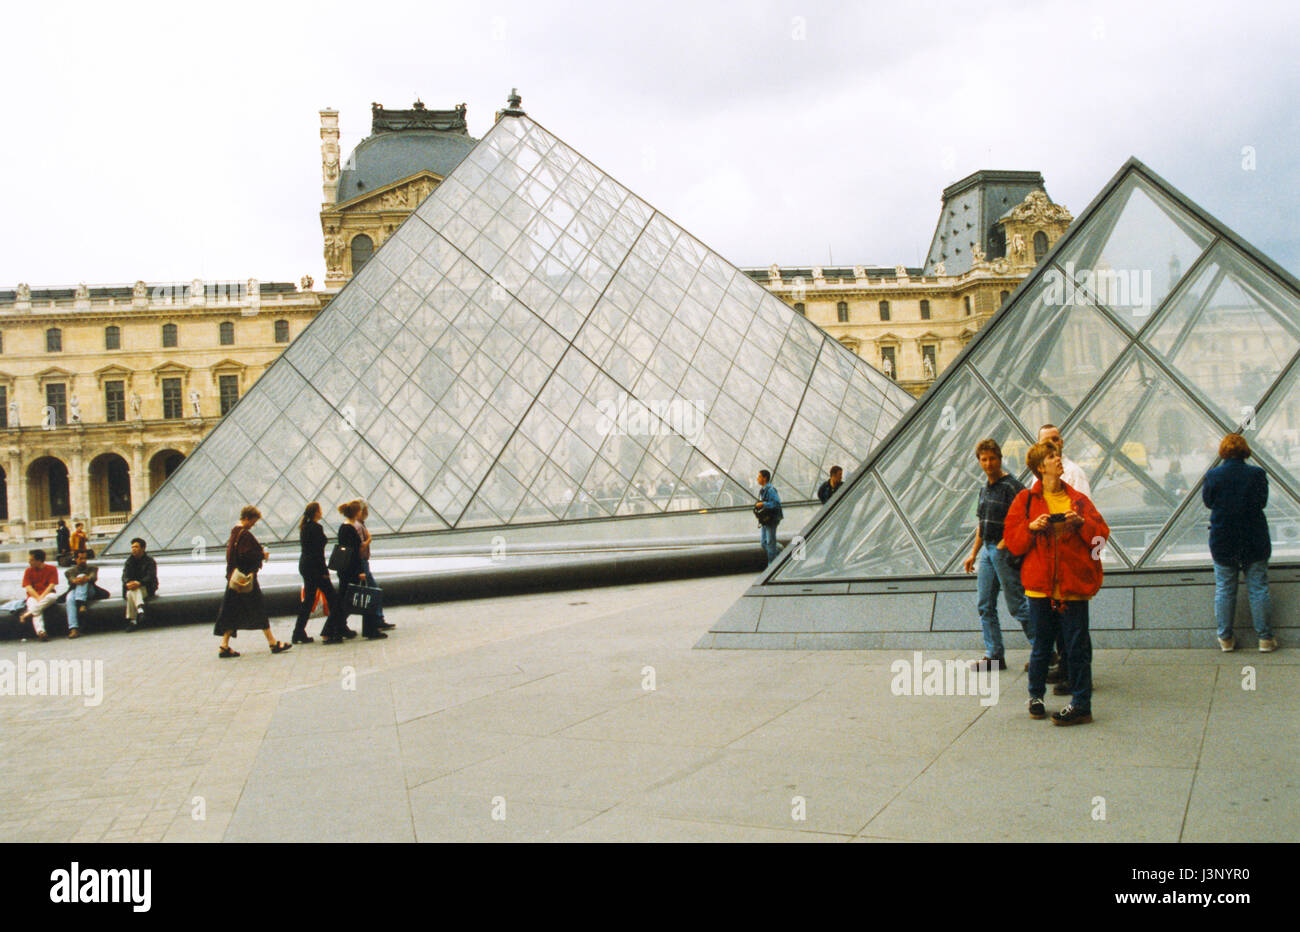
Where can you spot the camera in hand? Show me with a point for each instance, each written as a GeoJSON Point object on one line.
{"type": "Point", "coordinates": [1056, 518]}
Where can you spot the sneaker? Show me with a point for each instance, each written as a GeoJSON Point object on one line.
{"type": "Point", "coordinates": [1071, 716]}
{"type": "Point", "coordinates": [1267, 645]}
{"type": "Point", "coordinates": [1062, 689]}
{"type": "Point", "coordinates": [988, 663]}
{"type": "Point", "coordinates": [1227, 645]}
{"type": "Point", "coordinates": [1036, 709]}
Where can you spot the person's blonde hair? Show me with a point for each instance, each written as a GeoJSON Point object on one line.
{"type": "Point", "coordinates": [1039, 452]}
{"type": "Point", "coordinates": [1234, 447]}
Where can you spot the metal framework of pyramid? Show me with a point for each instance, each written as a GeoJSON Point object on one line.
{"type": "Point", "coordinates": [1148, 333]}
{"type": "Point", "coordinates": [534, 346]}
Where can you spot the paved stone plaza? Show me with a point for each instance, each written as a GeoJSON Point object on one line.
{"type": "Point", "coordinates": [528, 718]}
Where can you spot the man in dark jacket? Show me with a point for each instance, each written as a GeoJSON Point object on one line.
{"type": "Point", "coordinates": [1236, 493]}
{"type": "Point", "coordinates": [139, 582]}
{"type": "Point", "coordinates": [830, 485]}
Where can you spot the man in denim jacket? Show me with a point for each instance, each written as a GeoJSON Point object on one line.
{"type": "Point", "coordinates": [769, 504]}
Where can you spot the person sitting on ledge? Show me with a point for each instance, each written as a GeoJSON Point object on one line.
{"type": "Point", "coordinates": [81, 591]}
{"type": "Point", "coordinates": [139, 582]}
{"type": "Point", "coordinates": [39, 582]}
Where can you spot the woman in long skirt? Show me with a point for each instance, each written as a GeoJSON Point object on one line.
{"type": "Point", "coordinates": [244, 610]}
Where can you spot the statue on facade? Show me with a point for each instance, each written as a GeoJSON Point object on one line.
{"type": "Point", "coordinates": [859, 272]}
{"type": "Point", "coordinates": [194, 402]}
{"type": "Point", "coordinates": [82, 293]}
{"type": "Point", "coordinates": [334, 248]}
{"type": "Point", "coordinates": [887, 366]}
{"type": "Point", "coordinates": [135, 406]}
{"type": "Point", "coordinates": [900, 271]}
{"type": "Point", "coordinates": [939, 269]}
{"type": "Point", "coordinates": [74, 409]}
{"type": "Point", "coordinates": [13, 414]}
{"type": "Point", "coordinates": [977, 253]}
{"type": "Point", "coordinates": [1018, 246]}
{"type": "Point", "coordinates": [24, 291]}
{"type": "Point", "coordinates": [139, 290]}
{"type": "Point", "coordinates": [306, 282]}
{"type": "Point", "coordinates": [927, 367]}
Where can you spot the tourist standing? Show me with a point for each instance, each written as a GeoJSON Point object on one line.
{"type": "Point", "coordinates": [77, 542]}
{"type": "Point", "coordinates": [352, 574]}
{"type": "Point", "coordinates": [997, 568]}
{"type": "Point", "coordinates": [311, 566]}
{"type": "Point", "coordinates": [241, 604]}
{"type": "Point", "coordinates": [139, 582]}
{"type": "Point", "coordinates": [768, 510]}
{"type": "Point", "coordinates": [1236, 493]}
{"type": "Point", "coordinates": [1059, 533]}
{"type": "Point", "coordinates": [63, 538]}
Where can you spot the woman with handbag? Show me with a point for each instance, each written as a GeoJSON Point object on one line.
{"type": "Point", "coordinates": [348, 562]}
{"type": "Point", "coordinates": [365, 557]}
{"type": "Point", "coordinates": [311, 567]}
{"type": "Point", "coordinates": [241, 605]}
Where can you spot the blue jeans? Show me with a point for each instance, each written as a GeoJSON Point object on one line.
{"type": "Point", "coordinates": [1225, 597]}
{"type": "Point", "coordinates": [76, 593]}
{"type": "Point", "coordinates": [1072, 622]}
{"type": "Point", "coordinates": [767, 536]}
{"type": "Point", "coordinates": [993, 572]}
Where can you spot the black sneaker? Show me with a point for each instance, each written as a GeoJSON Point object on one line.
{"type": "Point", "coordinates": [1036, 709]}
{"type": "Point", "coordinates": [1071, 716]}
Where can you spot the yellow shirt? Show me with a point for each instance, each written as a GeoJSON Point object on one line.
{"type": "Point", "coordinates": [1057, 503]}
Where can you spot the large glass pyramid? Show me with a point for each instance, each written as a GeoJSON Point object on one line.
{"type": "Point", "coordinates": [535, 345]}
{"type": "Point", "coordinates": [1146, 335]}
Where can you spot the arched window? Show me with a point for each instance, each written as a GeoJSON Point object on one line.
{"type": "Point", "coordinates": [966, 304]}
{"type": "Point", "coordinates": [169, 335]}
{"type": "Point", "coordinates": [54, 340]}
{"type": "Point", "coordinates": [925, 310]}
{"type": "Point", "coordinates": [226, 329]}
{"type": "Point", "coordinates": [884, 310]}
{"type": "Point", "coordinates": [800, 310]}
{"type": "Point", "coordinates": [842, 312]}
{"type": "Point", "coordinates": [281, 331]}
{"type": "Point", "coordinates": [363, 247]}
{"type": "Point", "coordinates": [1040, 246]}
{"type": "Point", "coordinates": [112, 337]}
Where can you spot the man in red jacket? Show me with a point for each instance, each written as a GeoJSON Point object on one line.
{"type": "Point", "coordinates": [1060, 533]}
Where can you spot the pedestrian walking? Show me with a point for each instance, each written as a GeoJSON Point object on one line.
{"type": "Point", "coordinates": [1236, 493]}
{"type": "Point", "coordinates": [311, 566]}
{"type": "Point", "coordinates": [768, 511]}
{"type": "Point", "coordinates": [365, 556]}
{"type": "Point", "coordinates": [997, 567]}
{"type": "Point", "coordinates": [1059, 532]}
{"type": "Point", "coordinates": [241, 604]}
{"type": "Point", "coordinates": [350, 565]}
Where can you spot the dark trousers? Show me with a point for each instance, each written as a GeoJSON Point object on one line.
{"type": "Point", "coordinates": [310, 586]}
{"type": "Point", "coordinates": [1071, 623]}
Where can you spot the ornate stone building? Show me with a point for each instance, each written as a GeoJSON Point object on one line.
{"type": "Point", "coordinates": [103, 391]}
{"type": "Point", "coordinates": [365, 198]}
{"type": "Point", "coordinates": [912, 322]}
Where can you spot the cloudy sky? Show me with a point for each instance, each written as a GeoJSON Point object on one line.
{"type": "Point", "coordinates": [168, 141]}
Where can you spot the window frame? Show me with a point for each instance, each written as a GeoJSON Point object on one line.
{"type": "Point", "coordinates": [226, 333]}
{"type": "Point", "coordinates": [170, 330]}
{"type": "Point", "coordinates": [179, 384]}
{"type": "Point", "coordinates": [112, 337]}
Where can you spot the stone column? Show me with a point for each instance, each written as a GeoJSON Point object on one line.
{"type": "Point", "coordinates": [17, 489]}
{"type": "Point", "coordinates": [139, 481]}
{"type": "Point", "coordinates": [78, 486]}
{"type": "Point", "coordinates": [329, 156]}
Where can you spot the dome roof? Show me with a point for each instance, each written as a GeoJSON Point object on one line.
{"type": "Point", "coordinates": [383, 158]}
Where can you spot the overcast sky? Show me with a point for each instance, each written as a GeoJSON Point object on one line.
{"type": "Point", "coordinates": [168, 141]}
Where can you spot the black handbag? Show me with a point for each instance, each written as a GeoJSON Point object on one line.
{"type": "Point", "coordinates": [340, 557]}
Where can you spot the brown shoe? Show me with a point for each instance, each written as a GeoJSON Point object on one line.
{"type": "Point", "coordinates": [74, 633]}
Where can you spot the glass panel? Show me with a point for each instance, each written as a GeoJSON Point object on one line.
{"type": "Point", "coordinates": [1142, 444]}
{"type": "Point", "coordinates": [932, 472]}
{"type": "Point", "coordinates": [862, 537]}
{"type": "Point", "coordinates": [1131, 253]}
{"type": "Point", "coordinates": [1230, 332]}
{"type": "Point", "coordinates": [1044, 363]}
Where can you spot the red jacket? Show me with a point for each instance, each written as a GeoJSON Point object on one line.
{"type": "Point", "coordinates": [1066, 561]}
